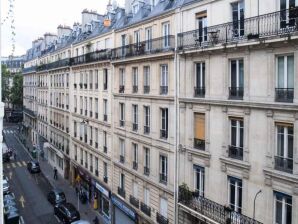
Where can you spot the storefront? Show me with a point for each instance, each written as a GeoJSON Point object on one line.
{"type": "Point", "coordinates": [122, 212]}
{"type": "Point", "coordinates": [83, 182]}
{"type": "Point", "coordinates": [102, 195]}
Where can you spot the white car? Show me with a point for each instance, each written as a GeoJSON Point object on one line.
{"type": "Point", "coordinates": [81, 222]}
{"type": "Point", "coordinates": [5, 187]}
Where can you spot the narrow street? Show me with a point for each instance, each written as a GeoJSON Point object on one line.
{"type": "Point", "coordinates": [30, 189]}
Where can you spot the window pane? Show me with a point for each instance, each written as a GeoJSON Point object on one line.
{"type": "Point", "coordinates": [290, 68]}
{"type": "Point", "coordinates": [278, 212]}
{"type": "Point", "coordinates": [280, 75]}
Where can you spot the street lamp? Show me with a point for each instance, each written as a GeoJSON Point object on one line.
{"type": "Point", "coordinates": [255, 203]}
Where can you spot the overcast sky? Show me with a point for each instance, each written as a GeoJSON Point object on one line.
{"type": "Point", "coordinates": [33, 18]}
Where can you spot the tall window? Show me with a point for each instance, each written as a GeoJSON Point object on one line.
{"type": "Point", "coordinates": [96, 79]}
{"type": "Point", "coordinates": [148, 34]}
{"type": "Point", "coordinates": [238, 18]}
{"type": "Point", "coordinates": [135, 114]}
{"type": "Point", "coordinates": [164, 79]}
{"type": "Point", "coordinates": [147, 119]}
{"type": "Point", "coordinates": [134, 79]}
{"type": "Point", "coordinates": [199, 179]}
{"type": "Point", "coordinates": [282, 208]}
{"type": "Point", "coordinates": [137, 37]}
{"type": "Point", "coordinates": [146, 196]}
{"type": "Point", "coordinates": [166, 34]}
{"type": "Point", "coordinates": [286, 17]}
{"type": "Point", "coordinates": [105, 139]}
{"type": "Point", "coordinates": [163, 207]}
{"type": "Point", "coordinates": [90, 79]}
{"type": "Point", "coordinates": [199, 136]}
{"type": "Point", "coordinates": [164, 122]}
{"type": "Point", "coordinates": [163, 168]}
{"type": "Point", "coordinates": [237, 78]}
{"type": "Point", "coordinates": [122, 147]}
{"type": "Point", "coordinates": [135, 152]}
{"type": "Point", "coordinates": [122, 113]}
{"type": "Point", "coordinates": [236, 147]}
{"type": "Point", "coordinates": [200, 79]}
{"type": "Point", "coordinates": [105, 109]}
{"type": "Point", "coordinates": [146, 79]}
{"type": "Point", "coordinates": [96, 107]}
{"type": "Point", "coordinates": [235, 194]}
{"type": "Point", "coordinates": [121, 76]}
{"type": "Point", "coordinates": [135, 189]}
{"type": "Point", "coordinates": [285, 78]}
{"type": "Point", "coordinates": [147, 157]}
{"type": "Point", "coordinates": [105, 169]}
{"type": "Point", "coordinates": [96, 166]}
{"type": "Point", "coordinates": [201, 36]}
{"type": "Point", "coordinates": [105, 79]}
{"type": "Point", "coordinates": [122, 181]}
{"type": "Point", "coordinates": [284, 156]}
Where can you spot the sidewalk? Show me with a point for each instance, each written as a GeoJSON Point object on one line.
{"type": "Point", "coordinates": [86, 210]}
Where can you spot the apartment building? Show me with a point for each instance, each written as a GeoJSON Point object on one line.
{"type": "Point", "coordinates": [173, 111]}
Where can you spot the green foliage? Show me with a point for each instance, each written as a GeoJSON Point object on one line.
{"type": "Point", "coordinates": [5, 84]}
{"type": "Point", "coordinates": [17, 90]}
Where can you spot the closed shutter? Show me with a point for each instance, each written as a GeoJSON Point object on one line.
{"type": "Point", "coordinates": [200, 126]}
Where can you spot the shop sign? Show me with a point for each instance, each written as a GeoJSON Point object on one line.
{"type": "Point", "coordinates": [102, 190]}
{"type": "Point", "coordinates": [123, 207]}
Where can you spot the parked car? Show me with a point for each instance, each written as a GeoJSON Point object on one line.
{"type": "Point", "coordinates": [33, 167]}
{"type": "Point", "coordinates": [81, 222]}
{"type": "Point", "coordinates": [66, 212]}
{"type": "Point", "coordinates": [56, 196]}
{"type": "Point", "coordinates": [6, 157]}
{"type": "Point", "coordinates": [6, 188]}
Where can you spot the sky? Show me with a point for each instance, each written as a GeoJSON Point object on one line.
{"type": "Point", "coordinates": [33, 18]}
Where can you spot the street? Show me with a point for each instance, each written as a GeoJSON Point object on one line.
{"type": "Point", "coordinates": [30, 189]}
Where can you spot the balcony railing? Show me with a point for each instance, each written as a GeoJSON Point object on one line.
{"type": "Point", "coordinates": [283, 164]}
{"type": "Point", "coordinates": [236, 93]}
{"type": "Point", "coordinates": [146, 129]}
{"type": "Point", "coordinates": [30, 112]}
{"type": "Point", "coordinates": [30, 69]}
{"type": "Point", "coordinates": [154, 46]}
{"type": "Point", "coordinates": [163, 134]}
{"type": "Point", "coordinates": [105, 179]}
{"type": "Point", "coordinates": [135, 165]}
{"type": "Point", "coordinates": [121, 192]}
{"type": "Point", "coordinates": [161, 219]}
{"type": "Point", "coordinates": [58, 64]}
{"type": "Point", "coordinates": [122, 159]}
{"type": "Point", "coordinates": [199, 91]}
{"type": "Point", "coordinates": [218, 213]}
{"type": "Point", "coordinates": [163, 90]}
{"type": "Point", "coordinates": [199, 144]}
{"type": "Point", "coordinates": [134, 126]}
{"type": "Point", "coordinates": [105, 149]}
{"type": "Point", "coordinates": [105, 117]}
{"type": "Point", "coordinates": [121, 123]}
{"type": "Point", "coordinates": [96, 173]}
{"type": "Point", "coordinates": [121, 89]}
{"type": "Point", "coordinates": [146, 170]}
{"type": "Point", "coordinates": [134, 201]}
{"type": "Point", "coordinates": [254, 28]}
{"type": "Point", "coordinates": [134, 89]}
{"type": "Point", "coordinates": [92, 57]}
{"type": "Point", "coordinates": [235, 152]}
{"type": "Point", "coordinates": [146, 209]}
{"type": "Point", "coordinates": [146, 89]}
{"type": "Point", "coordinates": [163, 178]}
{"type": "Point", "coordinates": [284, 95]}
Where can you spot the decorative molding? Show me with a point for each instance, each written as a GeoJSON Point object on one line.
{"type": "Point", "coordinates": [189, 157]}
{"type": "Point", "coordinates": [269, 113]}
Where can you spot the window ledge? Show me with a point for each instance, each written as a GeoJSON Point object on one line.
{"type": "Point", "coordinates": [228, 165]}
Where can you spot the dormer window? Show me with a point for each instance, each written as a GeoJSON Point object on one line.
{"type": "Point", "coordinates": [153, 3]}
{"type": "Point", "coordinates": [89, 27]}
{"type": "Point", "coordinates": [135, 8]}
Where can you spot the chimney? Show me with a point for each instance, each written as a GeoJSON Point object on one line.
{"type": "Point", "coordinates": [49, 38]}
{"type": "Point", "coordinates": [87, 17]}
{"type": "Point", "coordinates": [63, 31]}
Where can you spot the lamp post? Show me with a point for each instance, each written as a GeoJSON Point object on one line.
{"type": "Point", "coordinates": [255, 203]}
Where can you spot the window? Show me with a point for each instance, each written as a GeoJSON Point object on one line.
{"type": "Point", "coordinates": [122, 150]}
{"type": "Point", "coordinates": [164, 122]}
{"type": "Point", "coordinates": [147, 119]}
{"type": "Point", "coordinates": [122, 181]}
{"type": "Point", "coordinates": [135, 152]}
{"type": "Point", "coordinates": [286, 18]}
{"type": "Point", "coordinates": [90, 79]}
{"type": "Point", "coordinates": [237, 79]}
{"type": "Point", "coordinates": [285, 78]}
{"type": "Point", "coordinates": [163, 167]}
{"type": "Point", "coordinates": [135, 189]}
{"type": "Point", "coordinates": [238, 18]}
{"type": "Point", "coordinates": [146, 77]}
{"type": "Point", "coordinates": [148, 34]}
{"type": "Point", "coordinates": [200, 79]}
{"type": "Point", "coordinates": [282, 208]}
{"type": "Point", "coordinates": [284, 154]}
{"type": "Point", "coordinates": [137, 37]}
{"type": "Point", "coordinates": [105, 169]}
{"type": "Point", "coordinates": [96, 137]}
{"type": "Point", "coordinates": [153, 3]}
{"type": "Point", "coordinates": [104, 138]}
{"type": "Point", "coordinates": [96, 79]}
{"type": "Point", "coordinates": [199, 136]}
{"type": "Point", "coordinates": [201, 36]}
{"type": "Point", "coordinates": [135, 8]}
{"type": "Point", "coordinates": [164, 79]}
{"type": "Point", "coordinates": [235, 194]}
{"type": "Point", "coordinates": [146, 196]}
{"type": "Point", "coordinates": [96, 107]}
{"type": "Point", "coordinates": [135, 114]}
{"type": "Point", "coordinates": [122, 114]}
{"type": "Point", "coordinates": [199, 179]}
{"type": "Point", "coordinates": [236, 147]}
{"type": "Point", "coordinates": [147, 157]}
{"type": "Point", "coordinates": [134, 80]}
{"type": "Point", "coordinates": [105, 79]}
{"type": "Point", "coordinates": [105, 109]}
{"type": "Point", "coordinates": [166, 34]}
{"type": "Point", "coordinates": [163, 207]}
{"type": "Point", "coordinates": [121, 80]}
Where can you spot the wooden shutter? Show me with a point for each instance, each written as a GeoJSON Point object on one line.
{"type": "Point", "coordinates": [200, 126]}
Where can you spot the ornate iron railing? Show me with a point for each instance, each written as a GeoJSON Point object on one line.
{"type": "Point", "coordinates": [199, 91]}
{"type": "Point", "coordinates": [154, 46]}
{"type": "Point", "coordinates": [284, 95]}
{"type": "Point", "coordinates": [146, 89]}
{"type": "Point", "coordinates": [235, 152]}
{"type": "Point", "coordinates": [236, 93]}
{"type": "Point", "coordinates": [134, 201]}
{"type": "Point", "coordinates": [121, 192]}
{"type": "Point", "coordinates": [92, 57]}
{"type": "Point", "coordinates": [30, 112]}
{"type": "Point", "coordinates": [30, 69]}
{"type": "Point", "coordinates": [199, 144]}
{"type": "Point", "coordinates": [161, 219]}
{"type": "Point", "coordinates": [146, 209]}
{"type": "Point", "coordinates": [283, 164]}
{"type": "Point", "coordinates": [211, 209]}
{"type": "Point", "coordinates": [264, 26]}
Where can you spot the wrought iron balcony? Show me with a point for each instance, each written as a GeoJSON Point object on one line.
{"type": "Point", "coordinates": [199, 91]}
{"type": "Point", "coordinates": [134, 201]}
{"type": "Point", "coordinates": [81, 162]}
{"type": "Point", "coordinates": [105, 86]}
{"type": "Point", "coordinates": [269, 25]}
{"type": "Point", "coordinates": [85, 85]}
{"type": "Point", "coordinates": [121, 192]}
{"type": "Point", "coordinates": [218, 213]}
{"type": "Point", "coordinates": [135, 165]}
{"type": "Point", "coordinates": [121, 89]}
{"type": "Point", "coordinates": [161, 219]}
{"type": "Point", "coordinates": [146, 89]}
{"type": "Point", "coordinates": [96, 173]}
{"type": "Point", "coordinates": [105, 179]}
{"type": "Point", "coordinates": [75, 85]}
{"type": "Point", "coordinates": [146, 170]}
{"type": "Point", "coordinates": [145, 209]}
{"type": "Point", "coordinates": [28, 70]}
{"type": "Point", "coordinates": [81, 85]}
{"type": "Point", "coordinates": [146, 129]}
{"type": "Point", "coordinates": [149, 47]}
{"type": "Point", "coordinates": [163, 178]}
{"type": "Point", "coordinates": [58, 64]}
{"type": "Point", "coordinates": [199, 144]}
{"type": "Point", "coordinates": [122, 123]}
{"type": "Point", "coordinates": [30, 112]}
{"type": "Point", "coordinates": [134, 89]}
{"type": "Point", "coordinates": [90, 114]}
{"type": "Point", "coordinates": [235, 152]}
{"type": "Point", "coordinates": [284, 95]}
{"type": "Point", "coordinates": [105, 117]}
{"type": "Point", "coordinates": [163, 134]}
{"type": "Point", "coordinates": [122, 159]}
{"type": "Point", "coordinates": [236, 93]}
{"type": "Point", "coordinates": [86, 112]}
{"type": "Point", "coordinates": [105, 149]}
{"type": "Point", "coordinates": [90, 142]}
{"type": "Point", "coordinates": [163, 90]}
{"type": "Point", "coordinates": [283, 164]}
{"type": "Point", "coordinates": [134, 126]}
{"type": "Point", "coordinates": [96, 115]}
{"type": "Point", "coordinates": [92, 57]}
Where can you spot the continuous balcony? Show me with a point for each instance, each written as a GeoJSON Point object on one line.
{"type": "Point", "coordinates": [284, 95]}
{"type": "Point", "coordinates": [283, 164]}
{"type": "Point", "coordinates": [92, 57]}
{"type": "Point", "coordinates": [149, 47]}
{"type": "Point", "coordinates": [29, 70]}
{"type": "Point", "coordinates": [271, 25]}
{"type": "Point", "coordinates": [30, 112]}
{"type": "Point", "coordinates": [56, 64]}
{"type": "Point", "coordinates": [210, 209]}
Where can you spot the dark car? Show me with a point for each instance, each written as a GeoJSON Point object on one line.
{"type": "Point", "coordinates": [56, 196]}
{"type": "Point", "coordinates": [66, 212]}
{"type": "Point", "coordinates": [33, 167]}
{"type": "Point", "coordinates": [6, 157]}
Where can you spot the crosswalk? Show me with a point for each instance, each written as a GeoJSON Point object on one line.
{"type": "Point", "coordinates": [9, 131]}
{"type": "Point", "coordinates": [13, 165]}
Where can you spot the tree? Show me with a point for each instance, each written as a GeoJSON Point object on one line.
{"type": "Point", "coordinates": [5, 84]}
{"type": "Point", "coordinates": [17, 90]}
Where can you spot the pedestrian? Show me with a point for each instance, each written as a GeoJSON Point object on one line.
{"type": "Point", "coordinates": [15, 155]}
{"type": "Point", "coordinates": [55, 173]}
{"type": "Point", "coordinates": [96, 221]}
